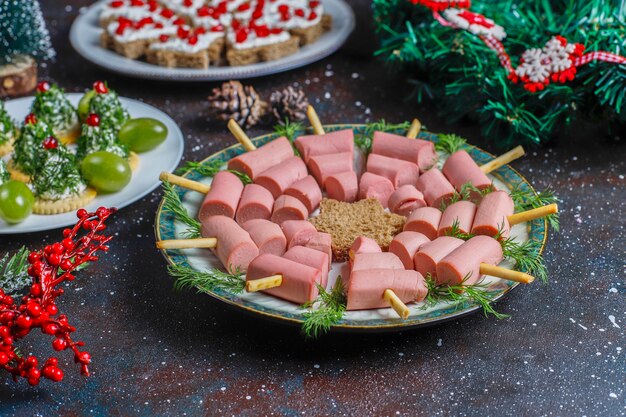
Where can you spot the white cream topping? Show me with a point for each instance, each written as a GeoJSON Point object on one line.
{"type": "Point", "coordinates": [182, 45]}
{"type": "Point", "coordinates": [67, 193]}
{"type": "Point", "coordinates": [146, 32]}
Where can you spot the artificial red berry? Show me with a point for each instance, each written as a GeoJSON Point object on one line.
{"type": "Point", "coordinates": [32, 361]}
{"type": "Point", "coordinates": [52, 309]}
{"type": "Point", "coordinates": [68, 243]}
{"type": "Point", "coordinates": [50, 328]}
{"type": "Point", "coordinates": [58, 248]}
{"type": "Point", "coordinates": [7, 300]}
{"type": "Point", "coordinates": [93, 120]}
{"type": "Point", "coordinates": [57, 374]}
{"type": "Point", "coordinates": [81, 213]}
{"type": "Point", "coordinates": [8, 341]}
{"type": "Point", "coordinates": [83, 357]}
{"type": "Point", "coordinates": [4, 358]}
{"type": "Point", "coordinates": [43, 86]}
{"type": "Point", "coordinates": [66, 265]}
{"type": "Point", "coordinates": [54, 259]}
{"type": "Point", "coordinates": [30, 119]}
{"type": "Point", "coordinates": [23, 321]}
{"type": "Point", "coordinates": [52, 362]}
{"type": "Point", "coordinates": [33, 382]}
{"type": "Point", "coordinates": [33, 256]}
{"type": "Point", "coordinates": [50, 143]}
{"type": "Point", "coordinates": [59, 344]}
{"type": "Point", "coordinates": [100, 87]}
{"type": "Point", "coordinates": [34, 309]}
{"type": "Point", "coordinates": [35, 289]}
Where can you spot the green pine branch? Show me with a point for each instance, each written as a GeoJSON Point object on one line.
{"type": "Point", "coordinates": [13, 272]}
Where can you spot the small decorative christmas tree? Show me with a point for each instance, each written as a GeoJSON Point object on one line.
{"type": "Point", "coordinates": [24, 39]}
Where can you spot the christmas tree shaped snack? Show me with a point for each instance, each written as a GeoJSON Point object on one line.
{"type": "Point", "coordinates": [24, 159]}
{"type": "Point", "coordinates": [7, 131]}
{"type": "Point", "coordinates": [106, 104]}
{"type": "Point", "coordinates": [99, 136]}
{"type": "Point", "coordinates": [52, 106]}
{"type": "Point", "coordinates": [57, 182]}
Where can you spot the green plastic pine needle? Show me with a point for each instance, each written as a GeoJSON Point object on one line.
{"type": "Point", "coordinates": [173, 204]}
{"type": "Point", "coordinates": [325, 311]}
{"type": "Point", "coordinates": [13, 272]}
{"type": "Point", "coordinates": [206, 281]}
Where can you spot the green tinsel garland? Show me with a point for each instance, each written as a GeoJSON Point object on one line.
{"type": "Point", "coordinates": [455, 68]}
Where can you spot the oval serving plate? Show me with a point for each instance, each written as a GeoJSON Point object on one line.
{"type": "Point", "coordinates": [263, 305]}
{"type": "Point", "coordinates": [145, 178]}
{"type": "Point", "coordinates": [85, 38]}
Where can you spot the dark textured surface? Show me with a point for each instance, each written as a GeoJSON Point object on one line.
{"type": "Point", "coordinates": [157, 352]}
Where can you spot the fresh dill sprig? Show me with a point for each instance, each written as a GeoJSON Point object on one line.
{"type": "Point", "coordinates": [330, 309]}
{"type": "Point", "coordinates": [210, 168]}
{"type": "Point", "coordinates": [474, 293]}
{"type": "Point", "coordinates": [450, 143]}
{"type": "Point", "coordinates": [206, 281]}
{"type": "Point", "coordinates": [525, 199]}
{"type": "Point", "coordinates": [455, 231]}
{"type": "Point", "coordinates": [527, 257]}
{"type": "Point", "coordinates": [288, 129]}
{"type": "Point", "coordinates": [468, 192]}
{"type": "Point", "coordinates": [13, 272]}
{"type": "Point", "coordinates": [173, 204]}
{"type": "Point", "coordinates": [364, 139]}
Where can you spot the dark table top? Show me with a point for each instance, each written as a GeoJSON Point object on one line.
{"type": "Point", "coordinates": [158, 352]}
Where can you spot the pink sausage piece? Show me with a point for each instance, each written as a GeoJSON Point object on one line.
{"type": "Point", "coordinates": [461, 169]}
{"type": "Point", "coordinates": [307, 191]}
{"type": "Point", "coordinates": [366, 287]}
{"type": "Point", "coordinates": [404, 245]}
{"type": "Point", "coordinates": [492, 215]}
{"type": "Point", "coordinates": [255, 162]}
{"type": "Point", "coordinates": [256, 203]}
{"type": "Point", "coordinates": [406, 199]}
{"type": "Point", "coordinates": [279, 177]}
{"type": "Point", "coordinates": [375, 186]}
{"type": "Point", "coordinates": [286, 208]}
{"type": "Point", "coordinates": [330, 143]}
{"type": "Point", "coordinates": [297, 232]}
{"type": "Point", "coordinates": [343, 186]}
{"type": "Point", "coordinates": [268, 236]}
{"type": "Point", "coordinates": [299, 280]}
{"type": "Point", "coordinates": [429, 254]}
{"type": "Point", "coordinates": [312, 258]}
{"type": "Point", "coordinates": [223, 197]}
{"type": "Point", "coordinates": [424, 220]}
{"type": "Point", "coordinates": [235, 248]}
{"type": "Point", "coordinates": [462, 265]}
{"type": "Point", "coordinates": [418, 151]}
{"type": "Point", "coordinates": [323, 166]}
{"type": "Point", "coordinates": [379, 260]}
{"type": "Point", "coordinates": [398, 171]}
{"type": "Point", "coordinates": [322, 242]}
{"type": "Point", "coordinates": [435, 187]}
{"type": "Point", "coordinates": [461, 212]}
{"type": "Point", "coordinates": [363, 244]}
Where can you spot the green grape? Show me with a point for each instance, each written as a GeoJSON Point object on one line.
{"type": "Point", "coordinates": [142, 134]}
{"type": "Point", "coordinates": [83, 104]}
{"type": "Point", "coordinates": [106, 171]}
{"type": "Point", "coordinates": [16, 201]}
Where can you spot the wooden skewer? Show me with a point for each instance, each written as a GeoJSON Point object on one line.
{"type": "Point", "coordinates": [184, 182]}
{"type": "Point", "coordinates": [396, 303]}
{"type": "Point", "coordinates": [314, 120]}
{"type": "Point", "coordinates": [240, 135]}
{"type": "Point", "coordinates": [414, 129]}
{"type": "Point", "coordinates": [533, 214]}
{"type": "Point", "coordinates": [203, 242]}
{"type": "Point", "coordinates": [264, 283]}
{"type": "Point", "coordinates": [504, 273]}
{"type": "Point", "coordinates": [503, 159]}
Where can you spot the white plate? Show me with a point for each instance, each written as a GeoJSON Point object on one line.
{"type": "Point", "coordinates": [145, 179]}
{"type": "Point", "coordinates": [85, 38]}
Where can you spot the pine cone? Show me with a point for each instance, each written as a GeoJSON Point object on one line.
{"type": "Point", "coordinates": [289, 103]}
{"type": "Point", "coordinates": [234, 101]}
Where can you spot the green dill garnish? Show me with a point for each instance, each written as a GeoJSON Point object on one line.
{"type": "Point", "coordinates": [110, 110]}
{"type": "Point", "coordinates": [206, 281]}
{"type": "Point", "coordinates": [172, 203]}
{"type": "Point", "coordinates": [455, 231]}
{"type": "Point", "coordinates": [210, 168]}
{"type": "Point", "coordinates": [363, 139]}
{"type": "Point", "coordinates": [288, 129]}
{"type": "Point", "coordinates": [7, 128]}
{"type": "Point", "coordinates": [99, 138]}
{"type": "Point", "coordinates": [27, 144]}
{"type": "Point", "coordinates": [13, 272]}
{"type": "Point", "coordinates": [450, 143]}
{"type": "Point", "coordinates": [53, 107]}
{"type": "Point", "coordinates": [474, 293]}
{"type": "Point", "coordinates": [468, 192]}
{"type": "Point", "coordinates": [325, 311]}
{"type": "Point", "coordinates": [4, 174]}
{"type": "Point", "coordinates": [525, 199]}
{"type": "Point", "coordinates": [56, 175]}
{"type": "Point", "coordinates": [527, 257]}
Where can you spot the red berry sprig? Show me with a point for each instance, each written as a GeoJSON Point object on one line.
{"type": "Point", "coordinates": [38, 309]}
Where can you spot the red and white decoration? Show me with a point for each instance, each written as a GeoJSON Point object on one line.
{"type": "Point", "coordinates": [555, 62]}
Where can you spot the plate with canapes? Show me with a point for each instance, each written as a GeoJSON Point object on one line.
{"type": "Point", "coordinates": [62, 152]}
{"type": "Point", "coordinates": [188, 40]}
{"type": "Point", "coordinates": [386, 251]}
